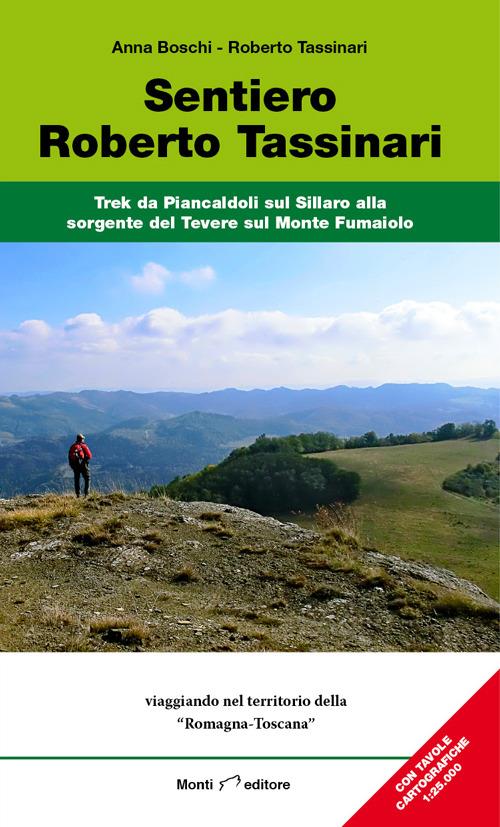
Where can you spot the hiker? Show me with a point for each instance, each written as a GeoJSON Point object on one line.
{"type": "Point", "coordinates": [79, 456]}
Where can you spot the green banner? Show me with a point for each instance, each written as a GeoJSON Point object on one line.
{"type": "Point", "coordinates": [242, 211]}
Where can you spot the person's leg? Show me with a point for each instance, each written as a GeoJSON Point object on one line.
{"type": "Point", "coordinates": [76, 474]}
{"type": "Point", "coordinates": [86, 477]}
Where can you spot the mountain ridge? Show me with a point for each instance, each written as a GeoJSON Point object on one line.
{"type": "Point", "coordinates": [347, 410]}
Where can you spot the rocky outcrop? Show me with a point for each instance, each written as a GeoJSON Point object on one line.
{"type": "Point", "coordinates": [115, 571]}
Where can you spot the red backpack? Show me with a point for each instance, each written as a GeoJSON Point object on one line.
{"type": "Point", "coordinates": [76, 454]}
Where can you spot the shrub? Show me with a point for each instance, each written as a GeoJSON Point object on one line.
{"type": "Point", "coordinates": [480, 480]}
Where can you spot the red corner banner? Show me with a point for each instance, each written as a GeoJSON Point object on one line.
{"type": "Point", "coordinates": [452, 779]}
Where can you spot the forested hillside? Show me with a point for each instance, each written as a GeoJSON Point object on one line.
{"type": "Point", "coordinates": [268, 483]}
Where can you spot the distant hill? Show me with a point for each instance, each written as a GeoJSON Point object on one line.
{"type": "Point", "coordinates": [344, 410]}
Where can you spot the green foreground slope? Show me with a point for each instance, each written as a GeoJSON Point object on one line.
{"type": "Point", "coordinates": [403, 509]}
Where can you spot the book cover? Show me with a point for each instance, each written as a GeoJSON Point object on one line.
{"type": "Point", "coordinates": [248, 414]}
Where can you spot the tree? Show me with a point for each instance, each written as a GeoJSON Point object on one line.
{"type": "Point", "coordinates": [488, 429]}
{"type": "Point", "coordinates": [446, 431]}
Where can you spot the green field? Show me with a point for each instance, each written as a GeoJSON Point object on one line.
{"type": "Point", "coordinates": [404, 511]}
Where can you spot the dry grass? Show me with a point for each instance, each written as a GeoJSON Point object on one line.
{"type": "Point", "coordinates": [268, 620]}
{"type": "Point", "coordinates": [219, 530]}
{"type": "Point", "coordinates": [136, 633]}
{"type": "Point", "coordinates": [113, 497]}
{"type": "Point", "coordinates": [37, 516]}
{"type": "Point", "coordinates": [102, 624]}
{"type": "Point", "coordinates": [125, 630]}
{"type": "Point", "coordinates": [425, 590]}
{"type": "Point", "coordinates": [153, 537]}
{"type": "Point", "coordinates": [261, 636]}
{"type": "Point", "coordinates": [267, 575]}
{"type": "Point", "coordinates": [78, 643]}
{"type": "Point", "coordinates": [427, 598]}
{"type": "Point", "coordinates": [401, 599]}
{"type": "Point", "coordinates": [339, 539]}
{"type": "Point", "coordinates": [409, 613]}
{"type": "Point", "coordinates": [250, 550]}
{"type": "Point", "coordinates": [395, 604]}
{"type": "Point", "coordinates": [296, 581]}
{"type": "Point", "coordinates": [101, 534]}
{"type": "Point", "coordinates": [113, 524]}
{"type": "Point", "coordinates": [152, 540]}
{"type": "Point", "coordinates": [446, 602]}
{"type": "Point", "coordinates": [371, 578]}
{"type": "Point", "coordinates": [211, 515]}
{"type": "Point", "coordinates": [257, 617]}
{"type": "Point", "coordinates": [317, 562]}
{"type": "Point", "coordinates": [187, 574]}
{"type": "Point", "coordinates": [92, 537]}
{"type": "Point", "coordinates": [279, 603]}
{"type": "Point", "coordinates": [347, 565]}
{"type": "Point", "coordinates": [58, 617]}
{"type": "Point", "coordinates": [338, 522]}
{"type": "Point", "coordinates": [326, 592]}
{"type": "Point", "coordinates": [454, 605]}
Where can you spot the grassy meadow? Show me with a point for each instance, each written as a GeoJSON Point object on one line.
{"type": "Point", "coordinates": [403, 509]}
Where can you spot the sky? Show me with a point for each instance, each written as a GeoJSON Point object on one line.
{"type": "Point", "coordinates": [205, 316]}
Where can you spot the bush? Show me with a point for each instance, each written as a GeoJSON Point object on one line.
{"type": "Point", "coordinates": [480, 480]}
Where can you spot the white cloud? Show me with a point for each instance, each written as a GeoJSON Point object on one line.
{"type": "Point", "coordinates": [153, 278]}
{"type": "Point", "coordinates": [35, 329]}
{"type": "Point", "coordinates": [197, 277]}
{"type": "Point", "coordinates": [162, 324]}
{"type": "Point", "coordinates": [84, 322]}
{"type": "Point", "coordinates": [419, 320]}
{"type": "Point", "coordinates": [407, 341]}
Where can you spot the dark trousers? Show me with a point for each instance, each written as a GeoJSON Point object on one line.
{"type": "Point", "coordinates": [84, 471]}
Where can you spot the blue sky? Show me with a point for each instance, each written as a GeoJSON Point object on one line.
{"type": "Point", "coordinates": [56, 281]}
{"type": "Point", "coordinates": [201, 316]}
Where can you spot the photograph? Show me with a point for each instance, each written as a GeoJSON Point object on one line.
{"type": "Point", "coordinates": [249, 447]}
